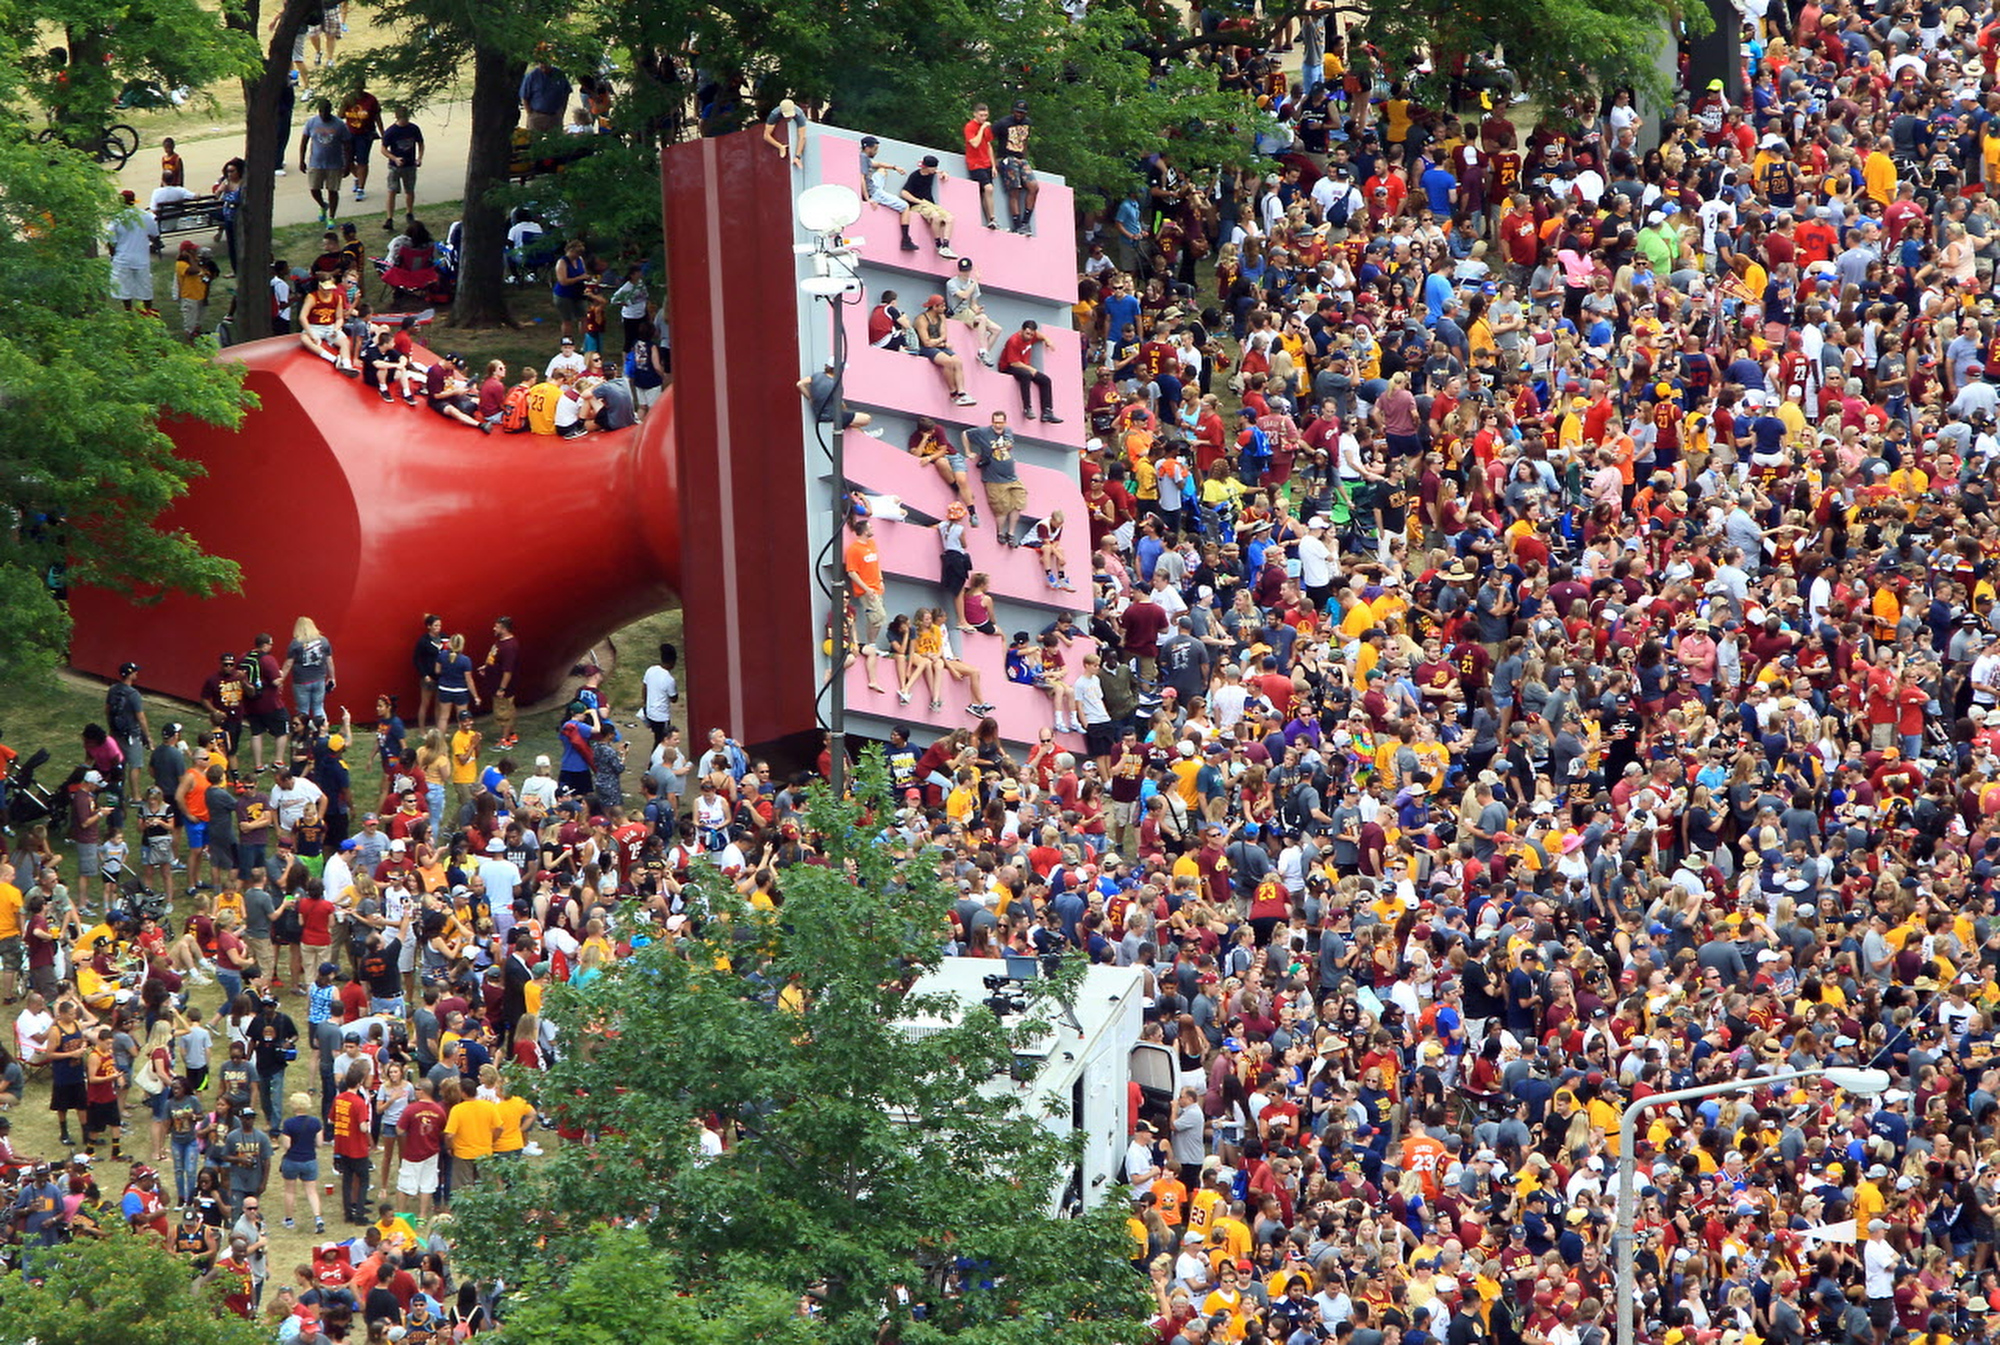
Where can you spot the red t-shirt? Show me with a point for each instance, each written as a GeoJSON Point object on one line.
{"type": "Point", "coordinates": [353, 1001]}
{"type": "Point", "coordinates": [350, 1120]}
{"type": "Point", "coordinates": [978, 145]}
{"type": "Point", "coordinates": [316, 922]}
{"type": "Point", "coordinates": [1016, 350]}
{"type": "Point", "coordinates": [421, 1126]}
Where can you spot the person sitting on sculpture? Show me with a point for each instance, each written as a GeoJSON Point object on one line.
{"type": "Point", "coordinates": [322, 323]}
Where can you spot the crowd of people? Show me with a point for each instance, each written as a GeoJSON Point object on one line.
{"type": "Point", "coordinates": [1541, 655]}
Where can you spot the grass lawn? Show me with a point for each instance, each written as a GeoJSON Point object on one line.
{"type": "Point", "coordinates": [51, 713]}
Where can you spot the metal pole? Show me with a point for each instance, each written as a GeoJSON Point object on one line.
{"type": "Point", "coordinates": [837, 707]}
{"type": "Point", "coordinates": [1628, 1140]}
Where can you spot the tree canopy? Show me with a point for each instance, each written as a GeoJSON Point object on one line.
{"type": "Point", "coordinates": [862, 1159]}
{"type": "Point", "coordinates": [121, 1289]}
{"type": "Point", "coordinates": [87, 464]}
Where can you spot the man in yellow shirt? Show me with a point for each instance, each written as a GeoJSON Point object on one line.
{"type": "Point", "coordinates": [10, 932]}
{"type": "Point", "coordinates": [513, 1118]}
{"type": "Point", "coordinates": [472, 1128]}
{"type": "Point", "coordinates": [464, 762]}
{"type": "Point", "coordinates": [1878, 173]}
{"type": "Point", "coordinates": [1186, 766]}
{"type": "Point", "coordinates": [1869, 1202]}
{"type": "Point", "coordinates": [1226, 1300]}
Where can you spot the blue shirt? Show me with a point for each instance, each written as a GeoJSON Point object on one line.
{"type": "Point", "coordinates": [1437, 289]}
{"type": "Point", "coordinates": [1121, 311]}
{"type": "Point", "coordinates": [1438, 185]}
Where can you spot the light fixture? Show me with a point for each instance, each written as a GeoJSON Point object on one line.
{"type": "Point", "coordinates": [825, 212]}
{"type": "Point", "coordinates": [1860, 1082]}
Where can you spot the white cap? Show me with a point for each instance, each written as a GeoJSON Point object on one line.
{"type": "Point", "coordinates": [496, 846]}
{"type": "Point", "coordinates": [92, 778]}
{"type": "Point", "coordinates": [397, 847]}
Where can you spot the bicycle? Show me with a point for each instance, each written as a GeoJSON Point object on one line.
{"type": "Point", "coordinates": [117, 143]}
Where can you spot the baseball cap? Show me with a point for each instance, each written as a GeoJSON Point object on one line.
{"type": "Point", "coordinates": [127, 669]}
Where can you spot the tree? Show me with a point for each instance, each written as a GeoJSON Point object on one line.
{"type": "Point", "coordinates": [86, 464]}
{"type": "Point", "coordinates": [111, 46]}
{"type": "Point", "coordinates": [426, 61]}
{"type": "Point", "coordinates": [863, 1159]}
{"type": "Point", "coordinates": [1561, 50]}
{"type": "Point", "coordinates": [121, 1289]}
{"type": "Point", "coordinates": [265, 88]}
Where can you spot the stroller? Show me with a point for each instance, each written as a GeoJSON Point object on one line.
{"type": "Point", "coordinates": [29, 801]}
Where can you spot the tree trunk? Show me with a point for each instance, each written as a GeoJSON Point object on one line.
{"type": "Point", "coordinates": [263, 98]}
{"type": "Point", "coordinates": [481, 300]}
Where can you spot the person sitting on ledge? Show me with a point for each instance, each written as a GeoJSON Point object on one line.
{"type": "Point", "coordinates": [322, 319]}
{"type": "Point", "coordinates": [931, 345]}
{"type": "Point", "coordinates": [1016, 359]}
{"type": "Point", "coordinates": [382, 364]}
{"type": "Point", "coordinates": [450, 395]}
{"type": "Point", "coordinates": [920, 190]}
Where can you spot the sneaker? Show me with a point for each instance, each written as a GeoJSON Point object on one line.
{"type": "Point", "coordinates": [387, 400]}
{"type": "Point", "coordinates": [964, 399]}
{"type": "Point", "coordinates": [280, 172]}
{"type": "Point", "coordinates": [972, 518]}
{"type": "Point", "coordinates": [290, 1224]}
{"type": "Point", "coordinates": [874, 431]}
{"type": "Point", "coordinates": [319, 1224]}
{"type": "Point", "coordinates": [360, 193]}
{"type": "Point", "coordinates": [409, 399]}
{"type": "Point", "coordinates": [351, 372]}
{"type": "Point", "coordinates": [485, 427]}
{"type": "Point", "coordinates": [989, 359]}
{"type": "Point", "coordinates": [908, 246]}
{"type": "Point", "coordinates": [991, 223]}
{"type": "Point", "coordinates": [388, 226]}
{"type": "Point", "coordinates": [946, 253]}
{"type": "Point", "coordinates": [902, 698]}
{"type": "Point", "coordinates": [1048, 419]}
{"type": "Point", "coordinates": [532, 1149]}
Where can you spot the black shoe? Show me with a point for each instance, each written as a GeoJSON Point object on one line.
{"type": "Point", "coordinates": [909, 246]}
{"type": "Point", "coordinates": [1048, 419]}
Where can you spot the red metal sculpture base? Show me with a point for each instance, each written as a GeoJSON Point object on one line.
{"type": "Point", "coordinates": [365, 516]}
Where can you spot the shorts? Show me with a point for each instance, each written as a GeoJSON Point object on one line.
{"type": "Point", "coordinates": [454, 697]}
{"type": "Point", "coordinates": [132, 282]}
{"type": "Point", "coordinates": [68, 1097]}
{"type": "Point", "coordinates": [191, 311]}
{"type": "Point", "coordinates": [932, 352]}
{"type": "Point", "coordinates": [1098, 739]}
{"type": "Point", "coordinates": [957, 568]}
{"type": "Point", "coordinates": [464, 405]}
{"type": "Point", "coordinates": [325, 179]}
{"type": "Point", "coordinates": [324, 335]}
{"type": "Point", "coordinates": [102, 1115]}
{"type": "Point", "coordinates": [980, 175]}
{"type": "Point", "coordinates": [273, 723]}
{"type": "Point", "coordinates": [360, 144]}
{"type": "Point", "coordinates": [874, 609]}
{"type": "Point", "coordinates": [157, 850]}
{"type": "Point", "coordinates": [569, 307]}
{"type": "Point", "coordinates": [262, 953]}
{"type": "Point", "coordinates": [89, 860]}
{"type": "Point", "coordinates": [10, 954]}
{"type": "Point", "coordinates": [1881, 1312]}
{"type": "Point", "coordinates": [157, 1104]}
{"type": "Point", "coordinates": [930, 212]}
{"type": "Point", "coordinates": [197, 835]}
{"type": "Point", "coordinates": [306, 1170]}
{"type": "Point", "coordinates": [1014, 172]}
{"type": "Point", "coordinates": [645, 397]}
{"type": "Point", "coordinates": [222, 854]}
{"type": "Point", "coordinates": [403, 178]}
{"type": "Point", "coordinates": [1006, 497]}
{"type": "Point", "coordinates": [418, 1177]}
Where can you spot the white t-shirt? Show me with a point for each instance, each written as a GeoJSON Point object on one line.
{"type": "Point", "coordinates": [290, 804]}
{"type": "Point", "coordinates": [661, 689]}
{"type": "Point", "coordinates": [1315, 562]}
{"type": "Point", "coordinates": [1878, 1268]}
{"type": "Point", "coordinates": [572, 363]}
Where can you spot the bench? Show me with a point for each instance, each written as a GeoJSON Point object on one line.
{"type": "Point", "coordinates": [194, 215]}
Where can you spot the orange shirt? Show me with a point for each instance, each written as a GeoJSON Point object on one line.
{"type": "Point", "coordinates": [1172, 1194]}
{"type": "Point", "coordinates": [864, 562]}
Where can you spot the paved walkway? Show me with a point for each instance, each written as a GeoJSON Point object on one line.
{"type": "Point", "coordinates": [204, 147]}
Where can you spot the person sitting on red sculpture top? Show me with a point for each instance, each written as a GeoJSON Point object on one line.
{"type": "Point", "coordinates": [450, 394]}
{"type": "Point", "coordinates": [322, 319]}
{"type": "Point", "coordinates": [380, 363]}
{"type": "Point", "coordinates": [929, 328]}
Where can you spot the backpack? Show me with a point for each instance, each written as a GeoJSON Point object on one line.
{"type": "Point", "coordinates": [1338, 213]}
{"type": "Point", "coordinates": [252, 664]}
{"type": "Point", "coordinates": [1293, 811]}
{"type": "Point", "coordinates": [514, 411]}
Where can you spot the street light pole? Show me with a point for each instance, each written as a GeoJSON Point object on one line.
{"type": "Point", "coordinates": [1864, 1082]}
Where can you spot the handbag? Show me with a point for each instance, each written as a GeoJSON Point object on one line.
{"type": "Point", "coordinates": [149, 1080]}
